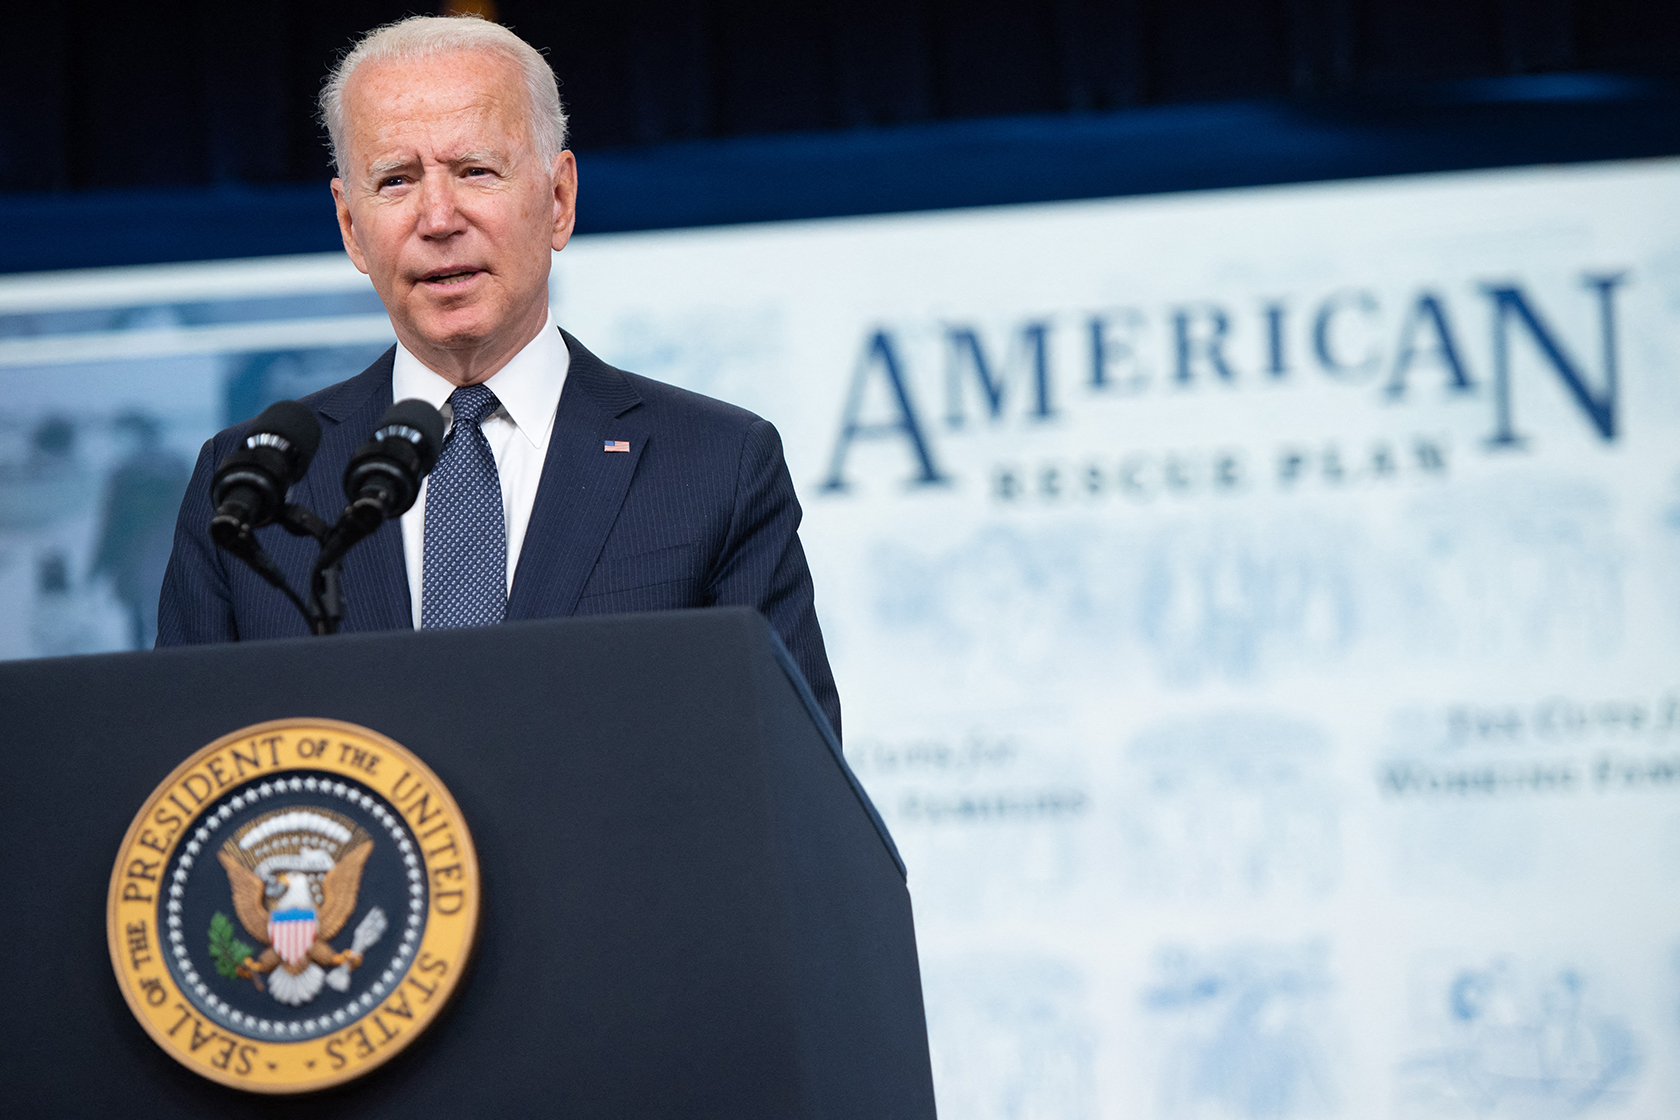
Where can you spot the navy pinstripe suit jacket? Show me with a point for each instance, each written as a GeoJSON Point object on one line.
{"type": "Point", "coordinates": [700, 512]}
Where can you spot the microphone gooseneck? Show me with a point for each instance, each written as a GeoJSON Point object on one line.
{"type": "Point", "coordinates": [381, 482]}
{"type": "Point", "coordinates": [383, 477]}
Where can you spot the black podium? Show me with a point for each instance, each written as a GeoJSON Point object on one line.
{"type": "Point", "coordinates": [689, 906]}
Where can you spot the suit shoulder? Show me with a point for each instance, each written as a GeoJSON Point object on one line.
{"type": "Point", "coordinates": [617, 390]}
{"type": "Point", "coordinates": [668, 402]}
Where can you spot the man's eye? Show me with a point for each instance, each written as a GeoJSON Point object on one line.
{"type": "Point", "coordinates": [393, 181]}
{"type": "Point", "coordinates": [478, 171]}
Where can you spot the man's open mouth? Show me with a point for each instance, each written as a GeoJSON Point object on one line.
{"type": "Point", "coordinates": [446, 277]}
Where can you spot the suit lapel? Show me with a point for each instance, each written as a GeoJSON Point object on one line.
{"type": "Point", "coordinates": [375, 577]}
{"type": "Point", "coordinates": [581, 489]}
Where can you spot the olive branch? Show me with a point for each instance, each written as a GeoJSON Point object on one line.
{"type": "Point", "coordinates": [226, 949]}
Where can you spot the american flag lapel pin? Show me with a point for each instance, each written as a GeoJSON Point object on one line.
{"type": "Point", "coordinates": [617, 445]}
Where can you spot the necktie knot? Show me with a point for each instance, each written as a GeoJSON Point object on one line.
{"type": "Point", "coordinates": [472, 403]}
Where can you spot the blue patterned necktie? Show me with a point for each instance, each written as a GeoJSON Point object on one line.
{"type": "Point", "coordinates": [465, 578]}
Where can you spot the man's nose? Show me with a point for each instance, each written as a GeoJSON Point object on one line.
{"type": "Point", "coordinates": [439, 215]}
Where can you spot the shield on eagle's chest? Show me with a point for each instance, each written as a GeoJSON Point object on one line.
{"type": "Point", "coordinates": [292, 932]}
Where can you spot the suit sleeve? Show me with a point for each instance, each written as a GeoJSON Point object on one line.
{"type": "Point", "coordinates": [196, 605]}
{"type": "Point", "coordinates": [762, 564]}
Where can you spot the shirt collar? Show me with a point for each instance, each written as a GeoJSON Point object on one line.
{"type": "Point", "coordinates": [528, 387]}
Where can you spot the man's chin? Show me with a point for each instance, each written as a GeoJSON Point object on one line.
{"type": "Point", "coordinates": [455, 332]}
{"type": "Point", "coordinates": [460, 327]}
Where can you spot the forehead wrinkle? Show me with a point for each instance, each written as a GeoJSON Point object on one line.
{"type": "Point", "coordinates": [405, 111]}
{"type": "Point", "coordinates": [413, 138]}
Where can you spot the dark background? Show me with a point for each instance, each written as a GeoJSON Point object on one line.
{"type": "Point", "coordinates": [177, 111]}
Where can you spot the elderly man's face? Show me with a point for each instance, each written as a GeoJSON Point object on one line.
{"type": "Point", "coordinates": [446, 207]}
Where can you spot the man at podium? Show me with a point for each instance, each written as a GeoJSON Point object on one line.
{"type": "Point", "coordinates": [564, 486]}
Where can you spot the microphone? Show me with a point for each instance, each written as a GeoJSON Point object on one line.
{"type": "Point", "coordinates": [383, 476]}
{"type": "Point", "coordinates": [385, 472]}
{"type": "Point", "coordinates": [249, 488]}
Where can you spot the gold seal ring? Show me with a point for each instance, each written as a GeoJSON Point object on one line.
{"type": "Point", "coordinates": [293, 906]}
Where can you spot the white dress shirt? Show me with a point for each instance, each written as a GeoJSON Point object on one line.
{"type": "Point", "coordinates": [528, 388]}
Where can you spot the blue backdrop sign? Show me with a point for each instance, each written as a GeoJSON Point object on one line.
{"type": "Point", "coordinates": [1257, 615]}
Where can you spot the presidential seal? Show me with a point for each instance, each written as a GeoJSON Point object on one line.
{"type": "Point", "coordinates": [293, 905]}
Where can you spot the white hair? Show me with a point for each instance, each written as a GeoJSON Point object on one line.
{"type": "Point", "coordinates": [420, 37]}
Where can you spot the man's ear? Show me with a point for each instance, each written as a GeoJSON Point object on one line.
{"type": "Point", "coordinates": [345, 229]}
{"type": "Point", "coordinates": [565, 198]}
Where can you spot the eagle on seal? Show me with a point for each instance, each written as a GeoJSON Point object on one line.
{"type": "Point", "coordinates": [281, 911]}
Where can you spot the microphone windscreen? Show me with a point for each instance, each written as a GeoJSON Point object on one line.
{"type": "Point", "coordinates": [296, 424]}
{"type": "Point", "coordinates": [423, 418]}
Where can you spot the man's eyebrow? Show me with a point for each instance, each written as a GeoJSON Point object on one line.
{"type": "Point", "coordinates": [482, 155]}
{"type": "Point", "coordinates": [381, 168]}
